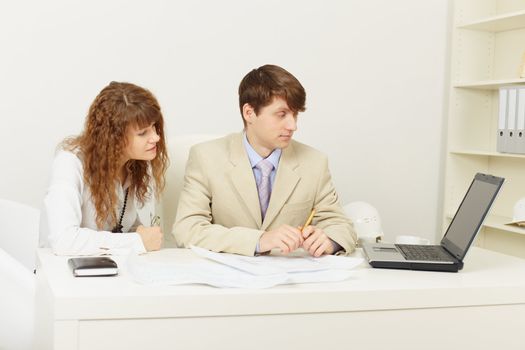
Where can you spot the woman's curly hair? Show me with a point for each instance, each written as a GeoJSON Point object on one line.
{"type": "Point", "coordinates": [102, 143]}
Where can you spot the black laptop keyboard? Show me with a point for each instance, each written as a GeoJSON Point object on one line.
{"type": "Point", "coordinates": [423, 252]}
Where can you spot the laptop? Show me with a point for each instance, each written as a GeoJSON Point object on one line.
{"type": "Point", "coordinates": [449, 255]}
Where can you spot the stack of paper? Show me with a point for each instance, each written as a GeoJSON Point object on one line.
{"type": "Point", "coordinates": [235, 271]}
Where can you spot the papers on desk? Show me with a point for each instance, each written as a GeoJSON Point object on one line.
{"type": "Point", "coordinates": [271, 265]}
{"type": "Point", "coordinates": [235, 271]}
{"type": "Point", "coordinates": [201, 272]}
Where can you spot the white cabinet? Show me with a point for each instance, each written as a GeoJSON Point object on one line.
{"type": "Point", "coordinates": [488, 44]}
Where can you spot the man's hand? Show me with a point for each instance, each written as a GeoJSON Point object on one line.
{"type": "Point", "coordinates": [316, 242]}
{"type": "Point", "coordinates": [151, 237]}
{"type": "Point", "coordinates": [285, 237]}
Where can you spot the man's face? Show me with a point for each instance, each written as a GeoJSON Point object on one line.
{"type": "Point", "coordinates": [272, 127]}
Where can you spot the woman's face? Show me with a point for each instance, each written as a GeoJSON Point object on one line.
{"type": "Point", "coordinates": [142, 143]}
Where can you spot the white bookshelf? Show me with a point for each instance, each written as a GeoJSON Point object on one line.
{"type": "Point", "coordinates": [488, 43]}
{"type": "Point", "coordinates": [467, 152]}
{"type": "Point", "coordinates": [489, 84]}
{"type": "Point", "coordinates": [499, 223]}
{"type": "Point", "coordinates": [498, 23]}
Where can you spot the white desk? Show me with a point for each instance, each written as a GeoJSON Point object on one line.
{"type": "Point", "coordinates": [481, 307]}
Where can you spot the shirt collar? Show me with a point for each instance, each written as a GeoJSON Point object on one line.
{"type": "Point", "coordinates": [255, 158]}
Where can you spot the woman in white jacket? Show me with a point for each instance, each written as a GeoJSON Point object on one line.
{"type": "Point", "coordinates": [101, 177]}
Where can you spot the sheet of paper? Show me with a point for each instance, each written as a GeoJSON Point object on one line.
{"type": "Point", "coordinates": [270, 265]}
{"type": "Point", "coordinates": [318, 276]}
{"type": "Point", "coordinates": [202, 272]}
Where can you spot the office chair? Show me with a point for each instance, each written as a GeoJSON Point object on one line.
{"type": "Point", "coordinates": [178, 149]}
{"type": "Point", "coordinates": [18, 243]}
{"type": "Point", "coordinates": [19, 231]}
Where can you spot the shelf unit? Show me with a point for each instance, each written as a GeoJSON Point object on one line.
{"type": "Point", "coordinates": [499, 223]}
{"type": "Point", "coordinates": [488, 44]}
{"type": "Point", "coordinates": [489, 84]}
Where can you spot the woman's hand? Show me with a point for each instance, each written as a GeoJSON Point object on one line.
{"type": "Point", "coordinates": [151, 237]}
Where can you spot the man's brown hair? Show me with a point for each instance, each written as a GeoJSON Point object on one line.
{"type": "Point", "coordinates": [259, 87]}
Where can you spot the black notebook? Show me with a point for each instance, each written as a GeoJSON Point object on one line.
{"type": "Point", "coordinates": [93, 266]}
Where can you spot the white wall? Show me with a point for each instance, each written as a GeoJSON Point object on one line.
{"type": "Point", "coordinates": [374, 72]}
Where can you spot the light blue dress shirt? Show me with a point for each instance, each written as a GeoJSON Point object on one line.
{"type": "Point", "coordinates": [255, 158]}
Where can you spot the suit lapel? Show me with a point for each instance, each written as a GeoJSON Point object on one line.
{"type": "Point", "coordinates": [286, 180]}
{"type": "Point", "coordinates": [242, 179]}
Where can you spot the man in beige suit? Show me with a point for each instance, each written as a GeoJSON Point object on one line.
{"type": "Point", "coordinates": [251, 192]}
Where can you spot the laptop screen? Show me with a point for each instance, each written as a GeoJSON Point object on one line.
{"type": "Point", "coordinates": [470, 214]}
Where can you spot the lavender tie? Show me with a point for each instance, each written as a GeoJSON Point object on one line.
{"type": "Point", "coordinates": [264, 186]}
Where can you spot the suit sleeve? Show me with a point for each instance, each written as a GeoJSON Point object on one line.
{"type": "Point", "coordinates": [330, 216]}
{"type": "Point", "coordinates": [194, 222]}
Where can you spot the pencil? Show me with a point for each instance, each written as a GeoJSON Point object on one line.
{"type": "Point", "coordinates": [309, 220]}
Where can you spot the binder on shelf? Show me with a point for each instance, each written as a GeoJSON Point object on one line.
{"type": "Point", "coordinates": [520, 122]}
{"type": "Point", "coordinates": [510, 143]}
{"type": "Point", "coordinates": [522, 68]}
{"type": "Point", "coordinates": [502, 120]}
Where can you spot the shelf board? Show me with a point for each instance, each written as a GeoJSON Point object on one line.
{"type": "Point", "coordinates": [498, 222]}
{"type": "Point", "coordinates": [489, 84]}
{"type": "Point", "coordinates": [499, 23]}
{"type": "Point", "coordinates": [487, 154]}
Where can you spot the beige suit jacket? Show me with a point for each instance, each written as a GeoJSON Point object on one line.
{"type": "Point", "coordinates": [219, 205]}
